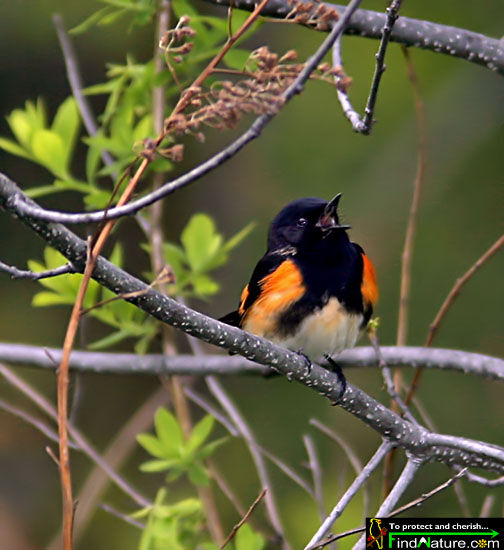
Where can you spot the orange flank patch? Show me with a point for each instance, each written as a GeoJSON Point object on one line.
{"type": "Point", "coordinates": [369, 288]}
{"type": "Point", "coordinates": [279, 290]}
{"type": "Point", "coordinates": [243, 299]}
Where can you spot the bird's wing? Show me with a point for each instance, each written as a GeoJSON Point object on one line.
{"type": "Point", "coordinates": [265, 266]}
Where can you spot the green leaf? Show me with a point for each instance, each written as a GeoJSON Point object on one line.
{"type": "Point", "coordinates": [200, 240]}
{"type": "Point", "coordinates": [49, 150]}
{"type": "Point", "coordinates": [169, 433]}
{"type": "Point", "coordinates": [111, 339]}
{"type": "Point", "coordinates": [21, 126]}
{"type": "Point", "coordinates": [66, 124]}
{"type": "Point", "coordinates": [43, 299]}
{"type": "Point", "coordinates": [198, 475]}
{"type": "Point", "coordinates": [152, 466]}
{"type": "Point", "coordinates": [210, 448]}
{"type": "Point", "coordinates": [90, 21]}
{"type": "Point", "coordinates": [236, 58]}
{"type": "Point", "coordinates": [183, 7]}
{"type": "Point", "coordinates": [93, 159]}
{"type": "Point", "coordinates": [204, 286]}
{"type": "Point", "coordinates": [151, 444]}
{"type": "Point", "coordinates": [238, 237]}
{"type": "Point", "coordinates": [247, 539]}
{"type": "Point", "coordinates": [14, 149]}
{"type": "Point", "coordinates": [200, 433]}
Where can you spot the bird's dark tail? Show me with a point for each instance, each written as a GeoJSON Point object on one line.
{"type": "Point", "coordinates": [232, 319]}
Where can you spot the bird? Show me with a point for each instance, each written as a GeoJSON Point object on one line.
{"type": "Point", "coordinates": [314, 289]}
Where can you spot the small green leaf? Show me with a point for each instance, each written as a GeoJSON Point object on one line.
{"type": "Point", "coordinates": [66, 125]}
{"type": "Point", "coordinates": [236, 239]}
{"type": "Point", "coordinates": [14, 149]}
{"type": "Point", "coordinates": [151, 444]}
{"type": "Point", "coordinates": [21, 126]}
{"type": "Point", "coordinates": [236, 58]}
{"type": "Point", "coordinates": [111, 339]}
{"type": "Point", "coordinates": [90, 21]}
{"type": "Point", "coordinates": [198, 475]}
{"type": "Point", "coordinates": [152, 466]}
{"type": "Point", "coordinates": [169, 433]}
{"type": "Point", "coordinates": [183, 7]}
{"type": "Point", "coordinates": [43, 299]}
{"type": "Point", "coordinates": [200, 433]}
{"type": "Point", "coordinates": [49, 150]}
{"type": "Point", "coordinates": [200, 240]}
{"type": "Point", "coordinates": [210, 448]}
{"type": "Point", "coordinates": [204, 286]}
{"type": "Point", "coordinates": [247, 539]}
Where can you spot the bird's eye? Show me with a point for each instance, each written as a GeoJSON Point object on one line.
{"type": "Point", "coordinates": [302, 222]}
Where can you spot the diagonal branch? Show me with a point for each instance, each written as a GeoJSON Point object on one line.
{"type": "Point", "coordinates": [417, 440]}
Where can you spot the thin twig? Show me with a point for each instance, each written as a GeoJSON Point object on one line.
{"type": "Point", "coordinates": [16, 273]}
{"type": "Point", "coordinates": [77, 437]}
{"type": "Point", "coordinates": [229, 406]}
{"type": "Point", "coordinates": [128, 519]}
{"type": "Point", "coordinates": [373, 337]}
{"type": "Point", "coordinates": [235, 528]}
{"type": "Point", "coordinates": [454, 292]}
{"type": "Point", "coordinates": [341, 90]}
{"type": "Point", "coordinates": [392, 14]}
{"type": "Point", "coordinates": [210, 409]}
{"type": "Point", "coordinates": [75, 80]}
{"type": "Point", "coordinates": [413, 504]}
{"type": "Point", "coordinates": [497, 482]}
{"type": "Point", "coordinates": [356, 485]}
{"type": "Point", "coordinates": [407, 254]}
{"type": "Point", "coordinates": [350, 453]}
{"type": "Point", "coordinates": [314, 465]}
{"type": "Point", "coordinates": [407, 475]}
{"type": "Point", "coordinates": [32, 421]}
{"type": "Point", "coordinates": [115, 455]}
{"type": "Point", "coordinates": [486, 507]}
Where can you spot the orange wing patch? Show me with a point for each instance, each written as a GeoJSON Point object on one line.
{"type": "Point", "coordinates": [243, 299]}
{"type": "Point", "coordinates": [279, 290]}
{"type": "Point", "coordinates": [369, 288]}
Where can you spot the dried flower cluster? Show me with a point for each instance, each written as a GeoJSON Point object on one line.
{"type": "Point", "coordinates": [174, 42]}
{"type": "Point", "coordinates": [259, 90]}
{"type": "Point", "coordinates": [312, 14]}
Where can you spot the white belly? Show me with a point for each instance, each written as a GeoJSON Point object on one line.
{"type": "Point", "coordinates": [326, 331]}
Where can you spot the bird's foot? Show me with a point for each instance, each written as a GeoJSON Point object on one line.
{"type": "Point", "coordinates": [334, 367]}
{"type": "Point", "coordinates": [306, 358]}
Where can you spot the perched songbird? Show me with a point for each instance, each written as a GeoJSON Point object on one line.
{"type": "Point", "coordinates": [314, 290]}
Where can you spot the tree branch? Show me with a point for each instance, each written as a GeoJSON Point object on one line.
{"type": "Point", "coordinates": [471, 46]}
{"type": "Point", "coordinates": [154, 364]}
{"type": "Point", "coordinates": [16, 273]}
{"type": "Point", "coordinates": [417, 440]}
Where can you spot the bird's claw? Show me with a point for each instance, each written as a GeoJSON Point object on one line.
{"type": "Point", "coordinates": [306, 358]}
{"type": "Point", "coordinates": [334, 367]}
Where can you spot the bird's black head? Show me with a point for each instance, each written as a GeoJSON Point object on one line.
{"type": "Point", "coordinates": [306, 223]}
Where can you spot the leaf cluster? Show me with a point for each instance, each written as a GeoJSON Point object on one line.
{"type": "Point", "coordinates": [175, 455]}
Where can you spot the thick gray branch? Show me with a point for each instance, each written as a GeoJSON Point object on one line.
{"type": "Point", "coordinates": [468, 45]}
{"type": "Point", "coordinates": [204, 365]}
{"type": "Point", "coordinates": [417, 440]}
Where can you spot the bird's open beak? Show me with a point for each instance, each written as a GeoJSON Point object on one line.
{"type": "Point", "coordinates": [328, 219]}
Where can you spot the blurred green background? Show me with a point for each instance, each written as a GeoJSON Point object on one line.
{"type": "Point", "coordinates": [308, 150]}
